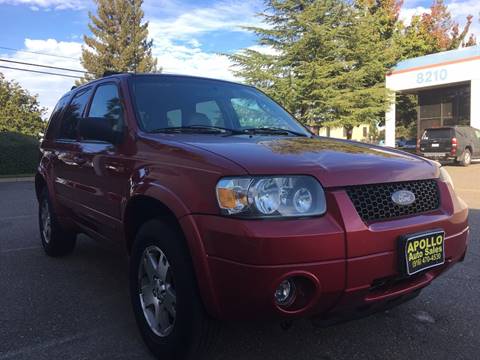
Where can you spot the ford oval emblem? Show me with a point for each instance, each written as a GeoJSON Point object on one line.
{"type": "Point", "coordinates": [403, 197]}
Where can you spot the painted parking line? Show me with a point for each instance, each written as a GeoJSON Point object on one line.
{"type": "Point", "coordinates": [20, 249]}
{"type": "Point", "coordinates": [18, 217]}
{"type": "Point", "coordinates": [30, 350]}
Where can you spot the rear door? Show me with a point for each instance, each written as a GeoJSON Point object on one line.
{"type": "Point", "coordinates": [437, 141]}
{"type": "Point", "coordinates": [67, 151]}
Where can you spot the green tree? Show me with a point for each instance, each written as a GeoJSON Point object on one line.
{"type": "Point", "coordinates": [433, 31]}
{"type": "Point", "coordinates": [327, 61]}
{"type": "Point", "coordinates": [120, 40]}
{"type": "Point", "coordinates": [20, 111]}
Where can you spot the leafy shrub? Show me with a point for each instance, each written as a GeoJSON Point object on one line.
{"type": "Point", "coordinates": [19, 153]}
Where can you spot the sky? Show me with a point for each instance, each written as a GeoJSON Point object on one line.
{"type": "Point", "coordinates": [189, 36]}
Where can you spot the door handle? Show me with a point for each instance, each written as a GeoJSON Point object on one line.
{"type": "Point", "coordinates": [115, 167]}
{"type": "Point", "coordinates": [79, 160]}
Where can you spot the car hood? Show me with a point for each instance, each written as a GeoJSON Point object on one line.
{"type": "Point", "coordinates": [334, 162]}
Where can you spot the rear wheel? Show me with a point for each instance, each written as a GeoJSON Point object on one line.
{"type": "Point", "coordinates": [466, 158]}
{"type": "Point", "coordinates": [56, 241]}
{"type": "Point", "coordinates": [164, 295]}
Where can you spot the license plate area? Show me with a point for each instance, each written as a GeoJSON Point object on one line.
{"type": "Point", "coordinates": [421, 251]}
{"type": "Point", "coordinates": [434, 154]}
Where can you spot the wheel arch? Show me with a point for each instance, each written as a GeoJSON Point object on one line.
{"type": "Point", "coordinates": [40, 184]}
{"type": "Point", "coordinates": [143, 207]}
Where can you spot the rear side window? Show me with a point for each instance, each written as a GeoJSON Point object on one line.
{"type": "Point", "coordinates": [55, 118]}
{"type": "Point", "coordinates": [73, 113]}
{"type": "Point", "coordinates": [106, 104]}
{"type": "Point", "coordinates": [442, 133]}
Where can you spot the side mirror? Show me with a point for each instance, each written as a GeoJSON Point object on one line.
{"type": "Point", "coordinates": [100, 129]}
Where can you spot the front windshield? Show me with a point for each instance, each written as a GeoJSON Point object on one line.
{"type": "Point", "coordinates": [172, 102]}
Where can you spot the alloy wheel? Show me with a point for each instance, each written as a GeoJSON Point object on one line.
{"type": "Point", "coordinates": [156, 291]}
{"type": "Point", "coordinates": [467, 157]}
{"type": "Point", "coordinates": [46, 221]}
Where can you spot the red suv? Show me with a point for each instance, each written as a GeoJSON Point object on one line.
{"type": "Point", "coordinates": [230, 209]}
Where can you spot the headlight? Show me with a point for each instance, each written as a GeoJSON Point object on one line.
{"type": "Point", "coordinates": [445, 177]}
{"type": "Point", "coordinates": [276, 196]}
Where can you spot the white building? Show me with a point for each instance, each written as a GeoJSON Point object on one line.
{"type": "Point", "coordinates": [447, 85]}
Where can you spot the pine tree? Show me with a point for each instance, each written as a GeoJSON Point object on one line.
{"type": "Point", "coordinates": [274, 71]}
{"type": "Point", "coordinates": [120, 40]}
{"type": "Point", "coordinates": [329, 59]}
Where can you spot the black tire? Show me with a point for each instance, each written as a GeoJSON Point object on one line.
{"type": "Point", "coordinates": [58, 241]}
{"type": "Point", "coordinates": [192, 332]}
{"type": "Point", "coordinates": [466, 158]}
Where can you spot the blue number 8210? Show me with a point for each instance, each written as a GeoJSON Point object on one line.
{"type": "Point", "coordinates": [432, 76]}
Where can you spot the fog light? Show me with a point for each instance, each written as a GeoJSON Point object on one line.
{"type": "Point", "coordinates": [285, 293]}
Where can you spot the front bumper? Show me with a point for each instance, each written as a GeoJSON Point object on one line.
{"type": "Point", "coordinates": [351, 266]}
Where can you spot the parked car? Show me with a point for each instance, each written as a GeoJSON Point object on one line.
{"type": "Point", "coordinates": [399, 142]}
{"type": "Point", "coordinates": [230, 209]}
{"type": "Point", "coordinates": [409, 145]}
{"type": "Point", "coordinates": [459, 144]}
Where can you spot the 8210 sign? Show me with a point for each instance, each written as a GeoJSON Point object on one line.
{"type": "Point", "coordinates": [432, 76]}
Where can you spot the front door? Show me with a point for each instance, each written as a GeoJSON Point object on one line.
{"type": "Point", "coordinates": [103, 176]}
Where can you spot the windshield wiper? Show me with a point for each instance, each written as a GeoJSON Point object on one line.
{"type": "Point", "coordinates": [271, 131]}
{"type": "Point", "coordinates": [194, 128]}
{"type": "Point", "coordinates": [209, 129]}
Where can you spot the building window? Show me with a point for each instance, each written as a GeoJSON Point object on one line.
{"type": "Point", "coordinates": [444, 107]}
{"type": "Point", "coordinates": [365, 131]}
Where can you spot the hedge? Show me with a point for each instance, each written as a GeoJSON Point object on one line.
{"type": "Point", "coordinates": [19, 154]}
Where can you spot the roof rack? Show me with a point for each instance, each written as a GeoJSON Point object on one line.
{"type": "Point", "coordinates": [111, 72]}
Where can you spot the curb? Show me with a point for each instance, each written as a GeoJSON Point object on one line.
{"type": "Point", "coordinates": [17, 179]}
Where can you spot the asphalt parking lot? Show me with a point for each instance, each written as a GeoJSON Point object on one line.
{"type": "Point", "coordinates": [78, 307]}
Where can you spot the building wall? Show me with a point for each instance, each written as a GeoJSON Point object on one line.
{"type": "Point", "coordinates": [443, 69]}
{"type": "Point", "coordinates": [475, 100]}
{"type": "Point", "coordinates": [359, 133]}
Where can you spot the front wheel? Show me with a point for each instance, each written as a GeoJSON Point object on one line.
{"type": "Point", "coordinates": [164, 294]}
{"type": "Point", "coordinates": [56, 241]}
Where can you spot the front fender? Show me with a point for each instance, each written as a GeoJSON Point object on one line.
{"type": "Point", "coordinates": [155, 190]}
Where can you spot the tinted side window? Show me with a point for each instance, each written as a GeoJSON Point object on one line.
{"type": "Point", "coordinates": [106, 104]}
{"type": "Point", "coordinates": [54, 121]}
{"type": "Point", "coordinates": [73, 113]}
